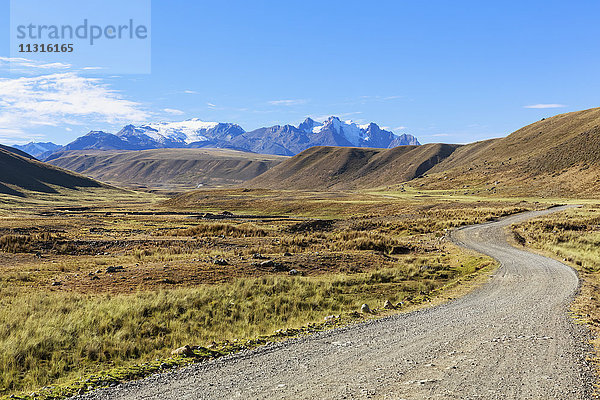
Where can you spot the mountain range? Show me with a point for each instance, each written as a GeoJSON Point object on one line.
{"type": "Point", "coordinates": [554, 157]}
{"type": "Point", "coordinates": [285, 140]}
{"type": "Point", "coordinates": [557, 156]}
{"type": "Point", "coordinates": [37, 149]}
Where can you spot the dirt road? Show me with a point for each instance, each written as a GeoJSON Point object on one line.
{"type": "Point", "coordinates": [510, 339]}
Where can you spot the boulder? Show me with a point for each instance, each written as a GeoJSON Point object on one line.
{"type": "Point", "coordinates": [388, 305]}
{"type": "Point", "coordinates": [185, 351]}
{"type": "Point", "coordinates": [365, 309]}
{"type": "Point", "coordinates": [267, 264]}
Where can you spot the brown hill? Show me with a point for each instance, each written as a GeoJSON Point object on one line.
{"type": "Point", "coordinates": [555, 156]}
{"type": "Point", "coordinates": [19, 174]}
{"type": "Point", "coordinates": [17, 152]}
{"type": "Point", "coordinates": [558, 156]}
{"type": "Point", "coordinates": [320, 168]}
{"type": "Point", "coordinates": [167, 168]}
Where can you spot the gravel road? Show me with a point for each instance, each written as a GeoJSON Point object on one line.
{"type": "Point", "coordinates": [509, 339]}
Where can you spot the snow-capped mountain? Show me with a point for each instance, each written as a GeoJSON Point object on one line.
{"type": "Point", "coordinates": [185, 132]}
{"type": "Point", "coordinates": [278, 139]}
{"type": "Point", "coordinates": [348, 130]}
{"type": "Point", "coordinates": [36, 149]}
{"type": "Point", "coordinates": [180, 134]}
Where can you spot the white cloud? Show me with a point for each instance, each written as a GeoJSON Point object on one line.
{"type": "Point", "coordinates": [399, 128]}
{"type": "Point", "coordinates": [289, 102]}
{"type": "Point", "coordinates": [173, 111]}
{"type": "Point", "coordinates": [211, 104]}
{"type": "Point", "coordinates": [190, 92]}
{"type": "Point", "coordinates": [16, 62]}
{"type": "Point", "coordinates": [541, 106]}
{"type": "Point", "coordinates": [62, 98]}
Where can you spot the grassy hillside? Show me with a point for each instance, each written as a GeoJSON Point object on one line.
{"type": "Point", "coordinates": [168, 168]}
{"type": "Point", "coordinates": [349, 168]}
{"type": "Point", "coordinates": [19, 175]}
{"type": "Point", "coordinates": [555, 156]}
{"type": "Point", "coordinates": [16, 151]}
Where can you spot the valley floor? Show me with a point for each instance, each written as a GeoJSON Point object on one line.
{"type": "Point", "coordinates": [93, 285]}
{"type": "Point", "coordinates": [511, 338]}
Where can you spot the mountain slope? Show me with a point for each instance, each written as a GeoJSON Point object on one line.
{"type": "Point", "coordinates": [20, 174]}
{"type": "Point", "coordinates": [320, 168]}
{"type": "Point", "coordinates": [556, 156]}
{"type": "Point", "coordinates": [16, 151]}
{"type": "Point", "coordinates": [167, 168]}
{"type": "Point", "coordinates": [36, 149]}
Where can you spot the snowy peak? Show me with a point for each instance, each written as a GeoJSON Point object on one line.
{"type": "Point", "coordinates": [347, 129]}
{"type": "Point", "coordinates": [278, 139]}
{"type": "Point", "coordinates": [184, 132]}
{"type": "Point", "coordinates": [366, 135]}
{"type": "Point", "coordinates": [189, 131]}
{"type": "Point", "coordinates": [308, 125]}
{"type": "Point", "coordinates": [36, 149]}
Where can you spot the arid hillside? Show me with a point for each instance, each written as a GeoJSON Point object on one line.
{"type": "Point", "coordinates": [558, 156]}
{"type": "Point", "coordinates": [19, 174]}
{"type": "Point", "coordinates": [167, 168]}
{"type": "Point", "coordinates": [16, 151]}
{"type": "Point", "coordinates": [331, 168]}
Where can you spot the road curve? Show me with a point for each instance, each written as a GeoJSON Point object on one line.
{"type": "Point", "coordinates": [509, 339]}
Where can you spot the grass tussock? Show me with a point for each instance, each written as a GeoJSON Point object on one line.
{"type": "Point", "coordinates": [14, 243]}
{"type": "Point", "coordinates": [221, 229]}
{"type": "Point", "coordinates": [49, 337]}
{"type": "Point", "coordinates": [192, 281]}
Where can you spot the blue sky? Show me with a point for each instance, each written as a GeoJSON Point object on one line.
{"type": "Point", "coordinates": [443, 71]}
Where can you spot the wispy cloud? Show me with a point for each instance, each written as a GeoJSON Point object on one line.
{"type": "Point", "coordinates": [399, 128]}
{"type": "Point", "coordinates": [288, 102]}
{"type": "Point", "coordinates": [24, 63]}
{"type": "Point", "coordinates": [541, 106]}
{"type": "Point", "coordinates": [322, 118]}
{"type": "Point", "coordinates": [173, 111]}
{"type": "Point", "coordinates": [211, 105]}
{"type": "Point", "coordinates": [62, 98]}
{"type": "Point", "coordinates": [190, 92]}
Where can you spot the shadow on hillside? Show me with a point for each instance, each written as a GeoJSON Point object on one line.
{"type": "Point", "coordinates": [6, 190]}
{"type": "Point", "coordinates": [36, 176]}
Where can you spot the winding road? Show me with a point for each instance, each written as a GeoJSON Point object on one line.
{"type": "Point", "coordinates": [509, 339]}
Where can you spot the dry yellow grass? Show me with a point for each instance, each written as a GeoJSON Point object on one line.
{"type": "Point", "coordinates": [189, 279]}
{"type": "Point", "coordinates": [572, 237]}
